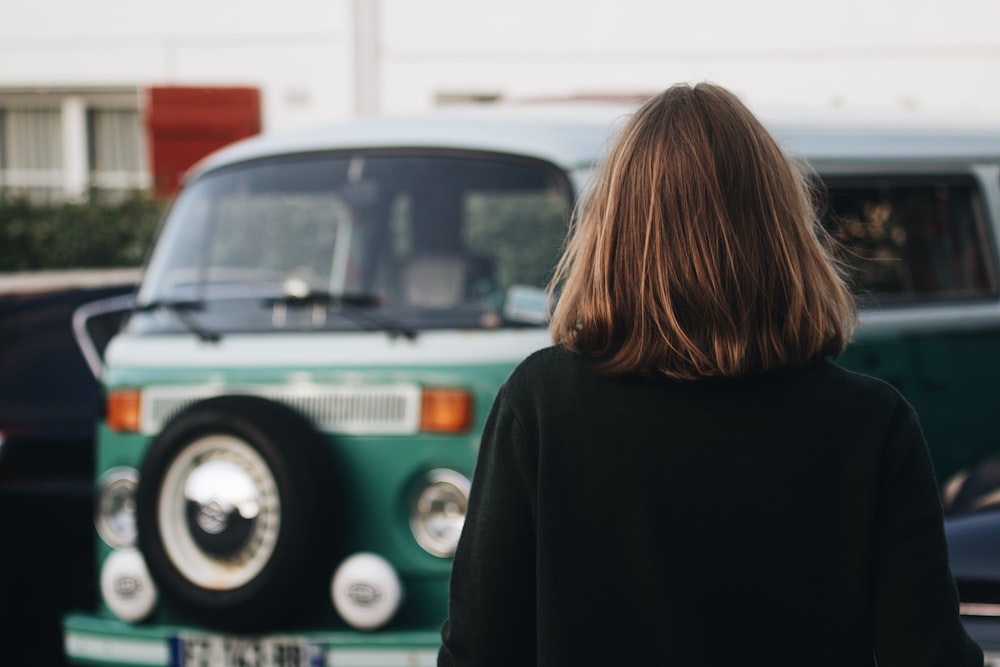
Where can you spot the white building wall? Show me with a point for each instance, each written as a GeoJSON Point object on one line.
{"type": "Point", "coordinates": [298, 52]}
{"type": "Point", "coordinates": [903, 57]}
{"type": "Point", "coordinates": [937, 55]}
{"type": "Point", "coordinates": [933, 56]}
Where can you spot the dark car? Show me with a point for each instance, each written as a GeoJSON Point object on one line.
{"type": "Point", "coordinates": [972, 524]}
{"type": "Point", "coordinates": [49, 403]}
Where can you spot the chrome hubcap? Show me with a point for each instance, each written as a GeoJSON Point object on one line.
{"type": "Point", "coordinates": [219, 512]}
{"type": "Point", "coordinates": [223, 507]}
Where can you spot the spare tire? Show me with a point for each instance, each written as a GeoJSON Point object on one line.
{"type": "Point", "coordinates": [236, 512]}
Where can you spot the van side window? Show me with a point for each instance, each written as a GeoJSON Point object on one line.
{"type": "Point", "coordinates": [910, 240]}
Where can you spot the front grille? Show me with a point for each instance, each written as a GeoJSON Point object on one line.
{"type": "Point", "coordinates": [360, 410]}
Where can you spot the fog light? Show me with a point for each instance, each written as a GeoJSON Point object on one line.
{"type": "Point", "coordinates": [439, 512]}
{"type": "Point", "coordinates": [126, 586]}
{"type": "Point", "coordinates": [366, 591]}
{"type": "Point", "coordinates": [115, 515]}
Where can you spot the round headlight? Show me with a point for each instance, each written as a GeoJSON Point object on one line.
{"type": "Point", "coordinates": [439, 512]}
{"type": "Point", "coordinates": [115, 517]}
{"type": "Point", "coordinates": [126, 586]}
{"type": "Point", "coordinates": [366, 591]}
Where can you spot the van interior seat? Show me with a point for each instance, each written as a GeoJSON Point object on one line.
{"type": "Point", "coordinates": [434, 281]}
{"type": "Point", "coordinates": [442, 280]}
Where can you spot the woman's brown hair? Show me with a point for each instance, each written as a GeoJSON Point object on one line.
{"type": "Point", "coordinates": [697, 251]}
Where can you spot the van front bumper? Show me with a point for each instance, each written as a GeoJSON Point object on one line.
{"type": "Point", "coordinates": [95, 640]}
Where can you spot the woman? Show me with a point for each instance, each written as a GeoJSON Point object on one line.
{"type": "Point", "coordinates": [683, 478]}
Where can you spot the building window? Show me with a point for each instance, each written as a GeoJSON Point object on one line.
{"type": "Point", "coordinates": [116, 151]}
{"type": "Point", "coordinates": [71, 144]}
{"type": "Point", "coordinates": [32, 144]}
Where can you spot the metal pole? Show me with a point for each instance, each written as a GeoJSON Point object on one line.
{"type": "Point", "coordinates": [366, 57]}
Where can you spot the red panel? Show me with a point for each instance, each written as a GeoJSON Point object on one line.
{"type": "Point", "coordinates": [184, 124]}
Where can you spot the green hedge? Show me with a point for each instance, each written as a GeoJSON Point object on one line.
{"type": "Point", "coordinates": [93, 234]}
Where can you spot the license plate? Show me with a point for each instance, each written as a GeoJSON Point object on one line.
{"type": "Point", "coordinates": [223, 651]}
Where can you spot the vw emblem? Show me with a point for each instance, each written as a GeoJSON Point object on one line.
{"type": "Point", "coordinates": [127, 587]}
{"type": "Point", "coordinates": [364, 595]}
{"type": "Point", "coordinates": [212, 518]}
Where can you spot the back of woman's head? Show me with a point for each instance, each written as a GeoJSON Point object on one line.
{"type": "Point", "coordinates": [697, 252]}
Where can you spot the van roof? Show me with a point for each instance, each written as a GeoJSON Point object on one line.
{"type": "Point", "coordinates": [574, 135]}
{"type": "Point", "coordinates": [570, 136]}
{"type": "Point", "coordinates": [819, 140]}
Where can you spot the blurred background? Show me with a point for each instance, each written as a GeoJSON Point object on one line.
{"type": "Point", "coordinates": [92, 95]}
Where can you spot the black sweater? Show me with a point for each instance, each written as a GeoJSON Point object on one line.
{"type": "Point", "coordinates": [790, 518]}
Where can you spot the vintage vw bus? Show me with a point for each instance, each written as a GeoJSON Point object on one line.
{"type": "Point", "coordinates": [294, 405]}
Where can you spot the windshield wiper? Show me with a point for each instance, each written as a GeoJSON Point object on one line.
{"type": "Point", "coordinates": [329, 299]}
{"type": "Point", "coordinates": [182, 310]}
{"type": "Point", "coordinates": [352, 306]}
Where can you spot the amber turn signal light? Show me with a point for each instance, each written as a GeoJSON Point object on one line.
{"type": "Point", "coordinates": [445, 410]}
{"type": "Point", "coordinates": [123, 409]}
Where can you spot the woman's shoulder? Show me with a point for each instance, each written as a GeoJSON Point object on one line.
{"type": "Point", "coordinates": [858, 394]}
{"type": "Point", "coordinates": [873, 388]}
{"type": "Point", "coordinates": [547, 364]}
{"type": "Point", "coordinates": [552, 371]}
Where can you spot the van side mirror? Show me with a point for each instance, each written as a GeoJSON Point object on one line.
{"type": "Point", "coordinates": [524, 303]}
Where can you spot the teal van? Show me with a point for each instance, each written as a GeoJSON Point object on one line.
{"type": "Point", "coordinates": [294, 404]}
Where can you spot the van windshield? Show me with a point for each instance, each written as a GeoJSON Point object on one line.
{"type": "Point", "coordinates": [365, 240]}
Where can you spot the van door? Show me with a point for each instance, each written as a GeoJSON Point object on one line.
{"type": "Point", "coordinates": [921, 259]}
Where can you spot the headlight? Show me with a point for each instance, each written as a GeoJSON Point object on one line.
{"type": "Point", "coordinates": [126, 586]}
{"type": "Point", "coordinates": [115, 518]}
{"type": "Point", "coordinates": [439, 512]}
{"type": "Point", "coordinates": [366, 591]}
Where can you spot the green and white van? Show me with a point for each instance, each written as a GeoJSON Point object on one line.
{"type": "Point", "coordinates": [294, 405]}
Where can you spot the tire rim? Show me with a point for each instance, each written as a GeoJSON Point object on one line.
{"type": "Point", "coordinates": [219, 512]}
